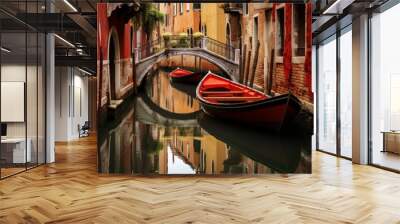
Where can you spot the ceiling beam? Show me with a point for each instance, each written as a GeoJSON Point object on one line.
{"type": "Point", "coordinates": [81, 61]}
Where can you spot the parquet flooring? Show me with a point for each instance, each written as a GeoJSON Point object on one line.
{"type": "Point", "coordinates": [11, 170]}
{"type": "Point", "coordinates": [71, 191]}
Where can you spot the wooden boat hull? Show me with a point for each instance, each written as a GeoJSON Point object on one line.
{"type": "Point", "coordinates": [193, 79]}
{"type": "Point", "coordinates": [273, 113]}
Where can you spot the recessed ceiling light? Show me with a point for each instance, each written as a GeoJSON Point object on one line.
{"type": "Point", "coordinates": [337, 7]}
{"type": "Point", "coordinates": [70, 5]}
{"type": "Point", "coordinates": [64, 40]}
{"type": "Point", "coordinates": [5, 50]}
{"type": "Point", "coordinates": [84, 71]}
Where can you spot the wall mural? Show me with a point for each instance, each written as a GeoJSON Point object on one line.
{"type": "Point", "coordinates": [204, 88]}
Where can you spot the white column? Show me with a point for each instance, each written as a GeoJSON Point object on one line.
{"type": "Point", "coordinates": [50, 94]}
{"type": "Point", "coordinates": [360, 90]}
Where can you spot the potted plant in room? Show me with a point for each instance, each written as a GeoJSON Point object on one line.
{"type": "Point", "coordinates": [183, 40]}
{"type": "Point", "coordinates": [167, 38]}
{"type": "Point", "coordinates": [197, 38]}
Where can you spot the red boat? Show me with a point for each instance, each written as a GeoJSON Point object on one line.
{"type": "Point", "coordinates": [182, 75]}
{"type": "Point", "coordinates": [222, 98]}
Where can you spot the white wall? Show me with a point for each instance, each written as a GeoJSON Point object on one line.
{"type": "Point", "coordinates": [61, 103]}
{"type": "Point", "coordinates": [17, 72]}
{"type": "Point", "coordinates": [71, 102]}
{"type": "Point", "coordinates": [9, 73]}
{"type": "Point", "coordinates": [33, 127]}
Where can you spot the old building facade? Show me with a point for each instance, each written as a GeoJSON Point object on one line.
{"type": "Point", "coordinates": [284, 57]}
{"type": "Point", "coordinates": [114, 54]}
{"type": "Point", "coordinates": [180, 17]}
{"type": "Point", "coordinates": [213, 21]}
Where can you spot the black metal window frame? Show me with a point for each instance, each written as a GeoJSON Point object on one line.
{"type": "Point", "coordinates": [381, 9]}
{"type": "Point", "coordinates": [333, 37]}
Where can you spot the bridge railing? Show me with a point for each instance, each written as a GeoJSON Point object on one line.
{"type": "Point", "coordinates": [148, 49]}
{"type": "Point", "coordinates": [219, 48]}
{"type": "Point", "coordinates": [176, 41]}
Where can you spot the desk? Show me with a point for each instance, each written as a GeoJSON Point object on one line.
{"type": "Point", "coordinates": [391, 141]}
{"type": "Point", "coordinates": [15, 148]}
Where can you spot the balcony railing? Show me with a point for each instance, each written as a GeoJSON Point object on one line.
{"type": "Point", "coordinates": [233, 7]}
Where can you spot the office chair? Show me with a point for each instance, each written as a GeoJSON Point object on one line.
{"type": "Point", "coordinates": [84, 130]}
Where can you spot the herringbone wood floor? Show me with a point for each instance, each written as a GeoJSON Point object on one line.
{"type": "Point", "coordinates": [71, 191]}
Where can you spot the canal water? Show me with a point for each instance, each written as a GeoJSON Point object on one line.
{"type": "Point", "coordinates": [162, 131]}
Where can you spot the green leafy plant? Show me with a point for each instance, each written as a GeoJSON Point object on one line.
{"type": "Point", "coordinates": [183, 40]}
{"type": "Point", "coordinates": [198, 35]}
{"type": "Point", "coordinates": [148, 18]}
{"type": "Point", "coordinates": [197, 38]}
{"type": "Point", "coordinates": [174, 43]}
{"type": "Point", "coordinates": [167, 37]}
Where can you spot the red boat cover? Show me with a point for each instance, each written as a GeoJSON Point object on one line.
{"type": "Point", "coordinates": [180, 73]}
{"type": "Point", "coordinates": [215, 89]}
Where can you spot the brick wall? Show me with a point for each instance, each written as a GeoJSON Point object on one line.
{"type": "Point", "coordinates": [295, 84]}
{"type": "Point", "coordinates": [290, 73]}
{"type": "Point", "coordinates": [279, 84]}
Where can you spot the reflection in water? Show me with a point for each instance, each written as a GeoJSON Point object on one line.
{"type": "Point", "coordinates": [177, 164]}
{"type": "Point", "coordinates": [163, 131]}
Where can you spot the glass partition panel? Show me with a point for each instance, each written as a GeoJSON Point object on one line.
{"type": "Point", "coordinates": [346, 93]}
{"type": "Point", "coordinates": [15, 151]}
{"type": "Point", "coordinates": [23, 89]}
{"type": "Point", "coordinates": [31, 98]}
{"type": "Point", "coordinates": [327, 96]}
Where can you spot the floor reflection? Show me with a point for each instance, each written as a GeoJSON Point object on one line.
{"type": "Point", "coordinates": [163, 131]}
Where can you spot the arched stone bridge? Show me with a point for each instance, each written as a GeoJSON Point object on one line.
{"type": "Point", "coordinates": [230, 67]}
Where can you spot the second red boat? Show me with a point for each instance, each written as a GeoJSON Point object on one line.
{"type": "Point", "coordinates": [183, 75]}
{"type": "Point", "coordinates": [225, 99]}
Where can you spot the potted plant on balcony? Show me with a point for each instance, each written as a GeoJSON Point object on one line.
{"type": "Point", "coordinates": [183, 40]}
{"type": "Point", "coordinates": [197, 38]}
{"type": "Point", "coordinates": [167, 39]}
